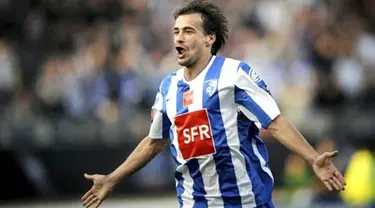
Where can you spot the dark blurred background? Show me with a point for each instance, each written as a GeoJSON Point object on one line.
{"type": "Point", "coordinates": [78, 77]}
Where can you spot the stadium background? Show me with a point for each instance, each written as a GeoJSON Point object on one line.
{"type": "Point", "coordinates": [78, 77]}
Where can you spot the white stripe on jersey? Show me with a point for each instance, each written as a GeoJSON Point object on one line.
{"type": "Point", "coordinates": [157, 125]}
{"type": "Point", "coordinates": [178, 152]}
{"type": "Point", "coordinates": [171, 112]}
{"type": "Point", "coordinates": [261, 159]}
{"type": "Point", "coordinates": [187, 195]}
{"type": "Point", "coordinates": [228, 113]}
{"type": "Point", "coordinates": [207, 164]}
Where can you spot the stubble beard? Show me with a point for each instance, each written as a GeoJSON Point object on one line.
{"type": "Point", "coordinates": [188, 62]}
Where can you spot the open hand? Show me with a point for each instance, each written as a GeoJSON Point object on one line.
{"type": "Point", "coordinates": [100, 189]}
{"type": "Point", "coordinates": [327, 172]}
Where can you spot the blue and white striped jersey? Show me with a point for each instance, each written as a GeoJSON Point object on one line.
{"type": "Point", "coordinates": [213, 123]}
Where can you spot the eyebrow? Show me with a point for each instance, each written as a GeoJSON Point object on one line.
{"type": "Point", "coordinates": [184, 28]}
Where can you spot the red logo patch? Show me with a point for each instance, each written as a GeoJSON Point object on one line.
{"type": "Point", "coordinates": [188, 98]}
{"type": "Point", "coordinates": [194, 134]}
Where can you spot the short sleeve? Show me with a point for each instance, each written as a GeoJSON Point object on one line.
{"type": "Point", "coordinates": [253, 98]}
{"type": "Point", "coordinates": [160, 123]}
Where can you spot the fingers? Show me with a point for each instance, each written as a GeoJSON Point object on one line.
{"type": "Point", "coordinates": [97, 204]}
{"type": "Point", "coordinates": [338, 183]}
{"type": "Point", "coordinates": [88, 193]}
{"type": "Point", "coordinates": [330, 154]}
{"type": "Point", "coordinates": [91, 202]}
{"type": "Point", "coordinates": [333, 154]}
{"type": "Point", "coordinates": [333, 183]}
{"type": "Point", "coordinates": [340, 177]}
{"type": "Point", "coordinates": [328, 185]}
{"type": "Point", "coordinates": [323, 157]}
{"type": "Point", "coordinates": [88, 200]}
{"type": "Point", "coordinates": [89, 177]}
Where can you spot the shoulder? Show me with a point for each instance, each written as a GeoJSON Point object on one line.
{"type": "Point", "coordinates": [227, 68]}
{"type": "Point", "coordinates": [243, 70]}
{"type": "Point", "coordinates": [246, 69]}
{"type": "Point", "coordinates": [238, 66]}
{"type": "Point", "coordinates": [167, 80]}
{"type": "Point", "coordinates": [235, 63]}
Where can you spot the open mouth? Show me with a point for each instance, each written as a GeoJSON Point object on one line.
{"type": "Point", "coordinates": [180, 50]}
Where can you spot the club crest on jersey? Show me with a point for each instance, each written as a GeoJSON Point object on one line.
{"type": "Point", "coordinates": [254, 76]}
{"type": "Point", "coordinates": [210, 86]}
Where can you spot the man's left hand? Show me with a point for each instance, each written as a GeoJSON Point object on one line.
{"type": "Point", "coordinates": [327, 172]}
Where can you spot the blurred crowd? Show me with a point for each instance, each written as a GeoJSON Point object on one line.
{"type": "Point", "coordinates": [77, 71]}
{"type": "Point", "coordinates": [79, 64]}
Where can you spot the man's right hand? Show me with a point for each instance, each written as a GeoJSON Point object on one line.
{"type": "Point", "coordinates": [100, 189]}
{"type": "Point", "coordinates": [103, 185]}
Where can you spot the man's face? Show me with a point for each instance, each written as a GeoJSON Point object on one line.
{"type": "Point", "coordinates": [189, 39]}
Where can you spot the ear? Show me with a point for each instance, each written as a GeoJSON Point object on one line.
{"type": "Point", "coordinates": [210, 39]}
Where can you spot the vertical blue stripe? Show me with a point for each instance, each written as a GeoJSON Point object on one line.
{"type": "Point", "coordinates": [241, 97]}
{"type": "Point", "coordinates": [173, 148]}
{"type": "Point", "coordinates": [164, 88]}
{"type": "Point", "coordinates": [181, 88]}
{"type": "Point", "coordinates": [261, 182]}
{"type": "Point", "coordinates": [180, 188]}
{"type": "Point", "coordinates": [166, 125]}
{"type": "Point", "coordinates": [193, 165]}
{"type": "Point", "coordinates": [223, 158]}
{"type": "Point", "coordinates": [198, 187]}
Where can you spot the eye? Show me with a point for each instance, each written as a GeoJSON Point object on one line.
{"type": "Point", "coordinates": [175, 32]}
{"type": "Point", "coordinates": [189, 32]}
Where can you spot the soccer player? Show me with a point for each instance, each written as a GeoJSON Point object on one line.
{"type": "Point", "coordinates": [210, 112]}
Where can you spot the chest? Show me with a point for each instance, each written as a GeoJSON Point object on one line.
{"type": "Point", "coordinates": [198, 114]}
{"type": "Point", "coordinates": [209, 95]}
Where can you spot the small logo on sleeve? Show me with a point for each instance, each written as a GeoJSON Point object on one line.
{"type": "Point", "coordinates": [254, 76]}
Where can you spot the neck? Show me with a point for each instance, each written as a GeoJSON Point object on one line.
{"type": "Point", "coordinates": [193, 71]}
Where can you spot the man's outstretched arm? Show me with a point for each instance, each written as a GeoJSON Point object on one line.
{"type": "Point", "coordinates": [254, 99]}
{"type": "Point", "coordinates": [103, 185]}
{"type": "Point", "coordinates": [146, 150]}
{"type": "Point", "coordinates": [290, 137]}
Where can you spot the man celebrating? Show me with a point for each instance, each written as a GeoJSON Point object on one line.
{"type": "Point", "coordinates": [210, 112]}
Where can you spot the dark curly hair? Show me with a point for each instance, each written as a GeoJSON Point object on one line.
{"type": "Point", "coordinates": [214, 21]}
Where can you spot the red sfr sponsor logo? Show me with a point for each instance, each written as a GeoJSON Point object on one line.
{"type": "Point", "coordinates": [190, 134]}
{"type": "Point", "coordinates": [194, 134]}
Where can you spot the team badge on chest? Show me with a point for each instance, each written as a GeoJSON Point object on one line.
{"type": "Point", "coordinates": [210, 86]}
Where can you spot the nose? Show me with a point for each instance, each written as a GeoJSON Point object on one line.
{"type": "Point", "coordinates": [179, 38]}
